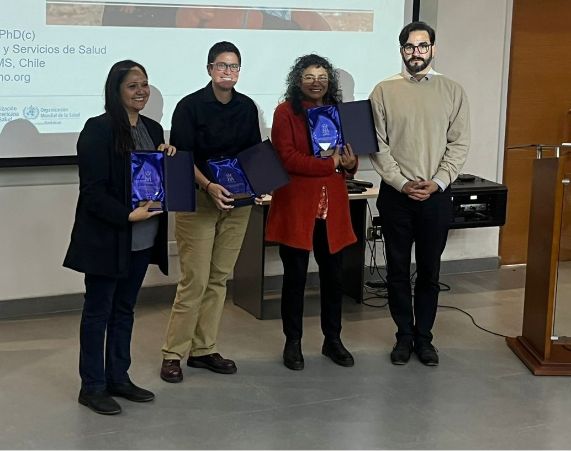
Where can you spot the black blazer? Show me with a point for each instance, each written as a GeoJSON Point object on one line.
{"type": "Point", "coordinates": [101, 236]}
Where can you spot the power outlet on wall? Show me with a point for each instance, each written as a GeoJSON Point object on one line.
{"type": "Point", "coordinates": [374, 233]}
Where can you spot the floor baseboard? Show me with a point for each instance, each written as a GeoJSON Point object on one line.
{"type": "Point", "coordinates": [15, 308]}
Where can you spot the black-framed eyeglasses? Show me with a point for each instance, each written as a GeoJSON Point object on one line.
{"type": "Point", "coordinates": [223, 66]}
{"type": "Point", "coordinates": [422, 48]}
{"type": "Point", "coordinates": [312, 78]}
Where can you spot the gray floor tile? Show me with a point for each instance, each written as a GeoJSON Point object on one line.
{"type": "Point", "coordinates": [481, 395]}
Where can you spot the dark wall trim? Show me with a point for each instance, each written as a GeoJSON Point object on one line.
{"type": "Point", "coordinates": [18, 308]}
{"type": "Point", "coordinates": [415, 10]}
{"type": "Point", "coordinates": [37, 161]}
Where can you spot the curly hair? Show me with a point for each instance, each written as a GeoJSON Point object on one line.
{"type": "Point", "coordinates": [293, 92]}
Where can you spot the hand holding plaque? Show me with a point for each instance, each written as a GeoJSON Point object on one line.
{"type": "Point", "coordinates": [229, 173]}
{"type": "Point", "coordinates": [255, 171]}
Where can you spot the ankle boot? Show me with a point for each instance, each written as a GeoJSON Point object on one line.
{"type": "Point", "coordinates": [293, 358]}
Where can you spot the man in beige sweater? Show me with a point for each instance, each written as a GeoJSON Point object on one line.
{"type": "Point", "coordinates": [423, 130]}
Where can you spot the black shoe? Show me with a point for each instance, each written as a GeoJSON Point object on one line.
{"type": "Point", "coordinates": [293, 358]}
{"type": "Point", "coordinates": [130, 391]}
{"type": "Point", "coordinates": [427, 354]}
{"type": "Point", "coordinates": [335, 350]}
{"type": "Point", "coordinates": [401, 352]}
{"type": "Point", "coordinates": [100, 402]}
{"type": "Point", "coordinates": [213, 362]}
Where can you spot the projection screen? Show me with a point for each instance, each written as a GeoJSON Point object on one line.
{"type": "Point", "coordinates": [55, 55]}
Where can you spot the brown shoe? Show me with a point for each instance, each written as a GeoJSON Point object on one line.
{"type": "Point", "coordinates": [171, 371]}
{"type": "Point", "coordinates": [213, 362]}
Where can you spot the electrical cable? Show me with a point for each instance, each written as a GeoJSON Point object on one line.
{"type": "Point", "coordinates": [378, 289]}
{"type": "Point", "coordinates": [381, 291]}
{"type": "Point", "coordinates": [473, 320]}
{"type": "Point", "coordinates": [373, 266]}
{"type": "Point", "coordinates": [445, 287]}
{"type": "Point", "coordinates": [368, 304]}
{"type": "Point", "coordinates": [377, 293]}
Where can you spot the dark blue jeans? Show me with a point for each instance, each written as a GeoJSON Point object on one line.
{"type": "Point", "coordinates": [108, 309]}
{"type": "Point", "coordinates": [405, 221]}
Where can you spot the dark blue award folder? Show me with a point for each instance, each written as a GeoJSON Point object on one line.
{"type": "Point", "coordinates": [357, 126]}
{"type": "Point", "coordinates": [177, 179]}
{"type": "Point", "coordinates": [263, 168]}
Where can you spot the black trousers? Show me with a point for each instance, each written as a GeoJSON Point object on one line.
{"type": "Point", "coordinates": [295, 262]}
{"type": "Point", "coordinates": [425, 223]}
{"type": "Point", "coordinates": [107, 324]}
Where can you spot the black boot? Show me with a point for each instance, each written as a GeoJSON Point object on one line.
{"type": "Point", "coordinates": [334, 349]}
{"type": "Point", "coordinates": [130, 391]}
{"type": "Point", "coordinates": [400, 355]}
{"type": "Point", "coordinates": [100, 402]}
{"type": "Point", "coordinates": [293, 358]}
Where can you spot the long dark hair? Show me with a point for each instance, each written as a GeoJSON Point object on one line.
{"type": "Point", "coordinates": [114, 105]}
{"type": "Point", "coordinates": [293, 92]}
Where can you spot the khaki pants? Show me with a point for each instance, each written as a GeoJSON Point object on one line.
{"type": "Point", "coordinates": [209, 241]}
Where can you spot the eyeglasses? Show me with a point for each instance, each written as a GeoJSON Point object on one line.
{"type": "Point", "coordinates": [223, 66]}
{"type": "Point", "coordinates": [423, 48]}
{"type": "Point", "coordinates": [312, 78]}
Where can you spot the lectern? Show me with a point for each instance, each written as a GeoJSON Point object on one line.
{"type": "Point", "coordinates": [545, 343]}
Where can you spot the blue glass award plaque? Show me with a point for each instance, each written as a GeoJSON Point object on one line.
{"type": "Point", "coordinates": [324, 130]}
{"type": "Point", "coordinates": [147, 179]}
{"type": "Point", "coordinates": [228, 173]}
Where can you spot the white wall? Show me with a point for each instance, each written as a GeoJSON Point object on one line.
{"type": "Point", "coordinates": [471, 38]}
{"type": "Point", "coordinates": [470, 44]}
{"type": "Point", "coordinates": [38, 203]}
{"type": "Point", "coordinates": [38, 206]}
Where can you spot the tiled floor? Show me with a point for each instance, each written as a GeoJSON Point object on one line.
{"type": "Point", "coordinates": [480, 396]}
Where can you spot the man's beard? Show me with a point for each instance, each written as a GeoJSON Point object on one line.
{"type": "Point", "coordinates": [414, 68]}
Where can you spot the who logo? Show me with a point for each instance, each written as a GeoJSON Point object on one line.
{"type": "Point", "coordinates": [31, 112]}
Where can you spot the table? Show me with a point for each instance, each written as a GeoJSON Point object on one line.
{"type": "Point", "coordinates": [250, 287]}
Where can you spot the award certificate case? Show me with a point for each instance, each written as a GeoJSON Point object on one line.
{"type": "Point", "coordinates": [357, 126]}
{"type": "Point", "coordinates": [177, 179]}
{"type": "Point", "coordinates": [262, 169]}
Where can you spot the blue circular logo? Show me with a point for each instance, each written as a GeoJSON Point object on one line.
{"type": "Point", "coordinates": [31, 112]}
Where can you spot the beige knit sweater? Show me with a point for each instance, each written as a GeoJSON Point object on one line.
{"type": "Point", "coordinates": [423, 129]}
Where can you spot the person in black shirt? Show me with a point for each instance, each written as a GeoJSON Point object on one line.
{"type": "Point", "coordinates": [212, 122]}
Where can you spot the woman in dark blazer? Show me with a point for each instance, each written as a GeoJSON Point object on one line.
{"type": "Point", "coordinates": [311, 212]}
{"type": "Point", "coordinates": [111, 242]}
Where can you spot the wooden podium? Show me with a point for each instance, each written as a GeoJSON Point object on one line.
{"type": "Point", "coordinates": [543, 353]}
